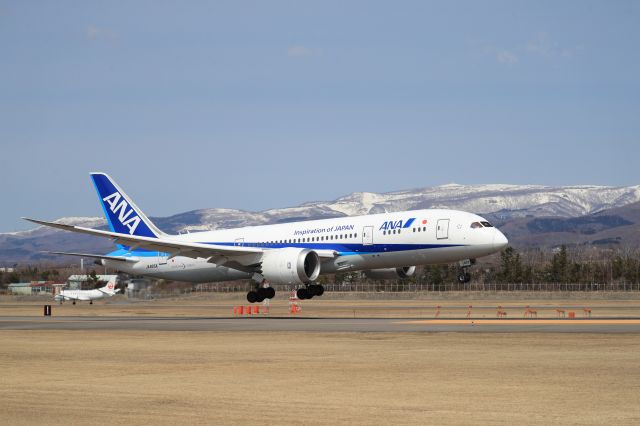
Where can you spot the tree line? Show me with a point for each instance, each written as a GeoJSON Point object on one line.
{"type": "Point", "coordinates": [532, 266]}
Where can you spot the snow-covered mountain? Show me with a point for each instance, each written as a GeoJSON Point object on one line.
{"type": "Point", "coordinates": [504, 201]}
{"type": "Point", "coordinates": [499, 202]}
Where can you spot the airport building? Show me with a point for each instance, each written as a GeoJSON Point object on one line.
{"type": "Point", "coordinates": [138, 287]}
{"type": "Point", "coordinates": [33, 288]}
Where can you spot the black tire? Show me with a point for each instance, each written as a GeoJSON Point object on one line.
{"type": "Point", "coordinates": [467, 277]}
{"type": "Point", "coordinates": [252, 297]}
{"type": "Point", "coordinates": [462, 277]}
{"type": "Point", "coordinates": [320, 290]}
{"type": "Point", "coordinates": [303, 294]}
{"type": "Point", "coordinates": [270, 292]}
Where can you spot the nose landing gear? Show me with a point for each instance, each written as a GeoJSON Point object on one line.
{"type": "Point", "coordinates": [463, 273]}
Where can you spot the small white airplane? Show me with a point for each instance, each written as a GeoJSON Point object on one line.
{"type": "Point", "coordinates": [86, 295]}
{"type": "Point", "coordinates": [384, 246]}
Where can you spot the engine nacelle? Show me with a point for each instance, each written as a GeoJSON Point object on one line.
{"type": "Point", "coordinates": [390, 273]}
{"type": "Point", "coordinates": [291, 266]}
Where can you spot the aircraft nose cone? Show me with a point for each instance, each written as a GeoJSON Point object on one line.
{"type": "Point", "coordinates": [499, 240]}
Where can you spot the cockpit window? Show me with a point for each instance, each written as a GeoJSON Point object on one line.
{"type": "Point", "coordinates": [475, 225]}
{"type": "Point", "coordinates": [487, 224]}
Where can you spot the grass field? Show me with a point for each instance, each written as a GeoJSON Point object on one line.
{"type": "Point", "coordinates": [116, 377]}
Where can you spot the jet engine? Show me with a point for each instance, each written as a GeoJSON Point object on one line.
{"type": "Point", "coordinates": [290, 265]}
{"type": "Point", "coordinates": [390, 273]}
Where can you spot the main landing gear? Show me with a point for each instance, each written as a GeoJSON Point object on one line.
{"type": "Point", "coordinates": [463, 273]}
{"type": "Point", "coordinates": [310, 291]}
{"type": "Point", "coordinates": [262, 291]}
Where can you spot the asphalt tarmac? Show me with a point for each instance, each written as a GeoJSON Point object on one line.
{"type": "Point", "coordinates": [323, 325]}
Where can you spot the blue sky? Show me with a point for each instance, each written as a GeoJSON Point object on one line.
{"type": "Point", "coordinates": [255, 105]}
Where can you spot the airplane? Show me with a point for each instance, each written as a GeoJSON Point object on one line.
{"type": "Point", "coordinates": [384, 246]}
{"type": "Point", "coordinates": [90, 295]}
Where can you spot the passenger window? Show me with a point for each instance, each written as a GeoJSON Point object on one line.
{"type": "Point", "coordinates": [419, 229]}
{"type": "Point", "coordinates": [399, 230]}
{"type": "Point", "coordinates": [414, 229]}
{"type": "Point", "coordinates": [355, 235]}
{"type": "Point", "coordinates": [424, 228]}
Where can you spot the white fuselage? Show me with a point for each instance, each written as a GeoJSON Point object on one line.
{"type": "Point", "coordinates": [387, 240]}
{"type": "Point", "coordinates": [86, 295]}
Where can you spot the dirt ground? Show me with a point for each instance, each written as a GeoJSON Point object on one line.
{"type": "Point", "coordinates": [128, 377]}
{"type": "Point", "coordinates": [319, 307]}
{"type": "Point", "coordinates": [116, 377]}
{"type": "Point", "coordinates": [62, 377]}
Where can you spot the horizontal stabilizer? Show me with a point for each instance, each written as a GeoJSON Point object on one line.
{"type": "Point", "coordinates": [98, 256]}
{"type": "Point", "coordinates": [169, 244]}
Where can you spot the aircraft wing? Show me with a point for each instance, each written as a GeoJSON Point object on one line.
{"type": "Point", "coordinates": [67, 297]}
{"type": "Point", "coordinates": [215, 253]}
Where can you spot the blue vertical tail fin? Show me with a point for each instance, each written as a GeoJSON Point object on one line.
{"type": "Point", "coordinates": [122, 214]}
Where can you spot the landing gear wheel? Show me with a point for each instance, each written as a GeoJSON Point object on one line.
{"type": "Point", "coordinates": [270, 292]}
{"type": "Point", "coordinates": [464, 277]}
{"type": "Point", "coordinates": [303, 294]}
{"type": "Point", "coordinates": [262, 294]}
{"type": "Point", "coordinates": [74, 302]}
{"type": "Point", "coordinates": [316, 290]}
{"type": "Point", "coordinates": [252, 297]}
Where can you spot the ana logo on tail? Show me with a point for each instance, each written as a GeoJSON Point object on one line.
{"type": "Point", "coordinates": [119, 206]}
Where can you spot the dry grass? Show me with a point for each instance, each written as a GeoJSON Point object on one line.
{"type": "Point", "coordinates": [116, 377]}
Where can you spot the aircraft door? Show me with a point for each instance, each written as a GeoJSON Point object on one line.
{"type": "Point", "coordinates": [239, 242]}
{"type": "Point", "coordinates": [442, 230]}
{"type": "Point", "coordinates": [162, 258]}
{"type": "Point", "coordinates": [367, 235]}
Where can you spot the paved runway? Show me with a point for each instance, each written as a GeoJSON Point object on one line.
{"type": "Point", "coordinates": [326, 325]}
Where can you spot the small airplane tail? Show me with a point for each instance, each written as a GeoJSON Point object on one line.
{"type": "Point", "coordinates": [110, 289]}
{"type": "Point", "coordinates": [122, 214]}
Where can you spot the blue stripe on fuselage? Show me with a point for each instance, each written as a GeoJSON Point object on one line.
{"type": "Point", "coordinates": [347, 248]}
{"type": "Point", "coordinates": [342, 249]}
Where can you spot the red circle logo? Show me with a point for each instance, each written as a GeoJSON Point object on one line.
{"type": "Point", "coordinates": [110, 286]}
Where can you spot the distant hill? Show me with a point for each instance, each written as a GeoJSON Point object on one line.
{"type": "Point", "coordinates": [530, 215]}
{"type": "Point", "coordinates": [618, 227]}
